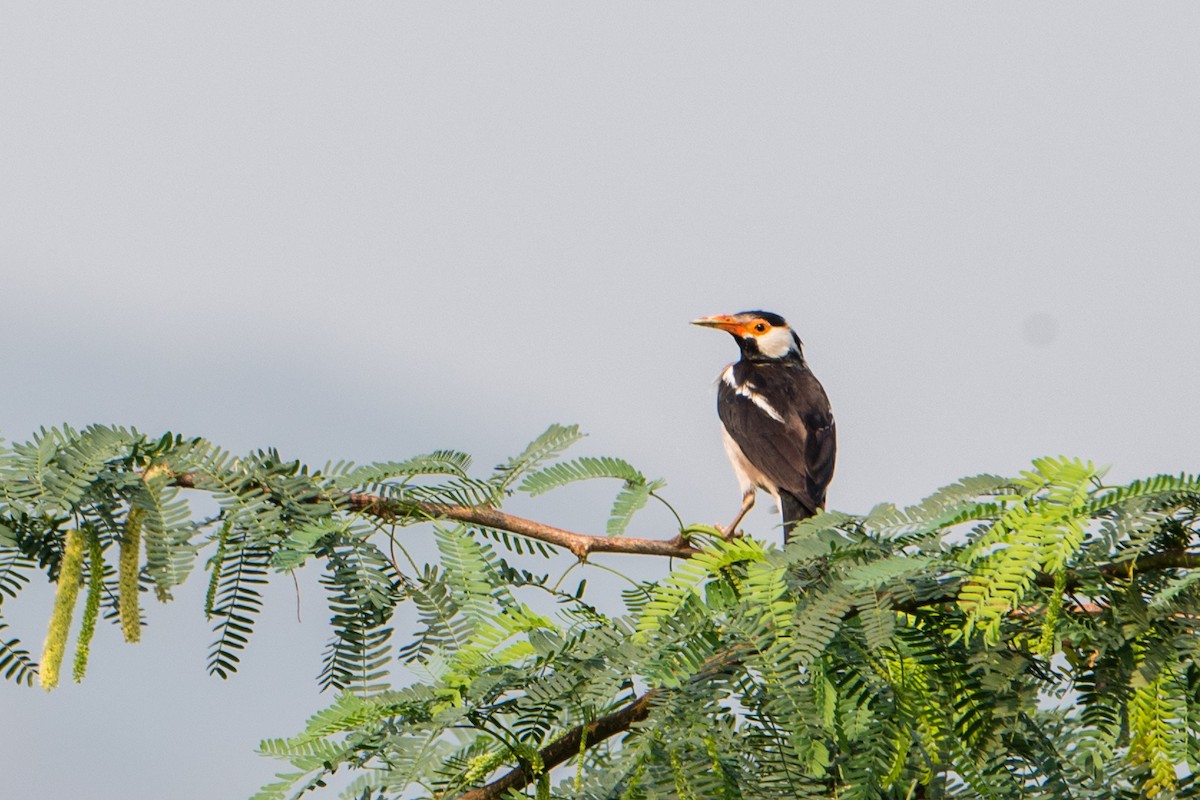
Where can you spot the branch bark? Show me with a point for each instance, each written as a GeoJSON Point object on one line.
{"type": "Point", "coordinates": [1167, 559]}
{"type": "Point", "coordinates": [581, 544]}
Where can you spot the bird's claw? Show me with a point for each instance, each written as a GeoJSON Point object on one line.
{"type": "Point", "coordinates": [729, 533]}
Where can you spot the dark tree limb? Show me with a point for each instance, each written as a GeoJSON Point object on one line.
{"type": "Point", "coordinates": [1125, 570]}
{"type": "Point", "coordinates": [1168, 559]}
{"type": "Point", "coordinates": [567, 746]}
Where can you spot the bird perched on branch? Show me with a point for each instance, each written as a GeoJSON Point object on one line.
{"type": "Point", "coordinates": [778, 427]}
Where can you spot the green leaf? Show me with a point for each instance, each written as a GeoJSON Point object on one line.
{"type": "Point", "coordinates": [580, 469]}
{"type": "Point", "coordinates": [439, 462]}
{"type": "Point", "coordinates": [553, 441]}
{"type": "Point", "coordinates": [631, 499]}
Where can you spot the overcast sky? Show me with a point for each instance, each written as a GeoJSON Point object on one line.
{"type": "Point", "coordinates": [370, 230]}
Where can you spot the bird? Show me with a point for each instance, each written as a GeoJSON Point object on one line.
{"type": "Point", "coordinates": [777, 423]}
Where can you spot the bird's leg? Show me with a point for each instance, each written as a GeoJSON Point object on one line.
{"type": "Point", "coordinates": [747, 504]}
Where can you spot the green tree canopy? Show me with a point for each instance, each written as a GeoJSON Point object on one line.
{"type": "Point", "coordinates": [1007, 637]}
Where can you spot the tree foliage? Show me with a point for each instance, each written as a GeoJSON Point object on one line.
{"type": "Point", "coordinates": [1004, 638]}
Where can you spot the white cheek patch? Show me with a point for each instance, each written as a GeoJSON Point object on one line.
{"type": "Point", "coordinates": [776, 342]}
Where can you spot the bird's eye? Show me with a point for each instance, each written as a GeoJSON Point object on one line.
{"type": "Point", "coordinates": [760, 327]}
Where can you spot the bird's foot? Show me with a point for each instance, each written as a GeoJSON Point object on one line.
{"type": "Point", "coordinates": [729, 533]}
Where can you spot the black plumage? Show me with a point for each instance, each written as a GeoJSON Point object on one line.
{"type": "Point", "coordinates": [778, 425]}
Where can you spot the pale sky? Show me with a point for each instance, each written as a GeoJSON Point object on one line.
{"type": "Point", "coordinates": [371, 230]}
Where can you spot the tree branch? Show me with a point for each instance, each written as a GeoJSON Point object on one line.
{"type": "Point", "coordinates": [1167, 559]}
{"type": "Point", "coordinates": [568, 745]}
{"type": "Point", "coordinates": [582, 545]}
{"type": "Point", "coordinates": [578, 543]}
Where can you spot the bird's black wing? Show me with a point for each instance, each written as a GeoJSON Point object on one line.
{"type": "Point", "coordinates": [779, 416]}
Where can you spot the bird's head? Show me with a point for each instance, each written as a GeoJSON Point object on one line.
{"type": "Point", "coordinates": [761, 335]}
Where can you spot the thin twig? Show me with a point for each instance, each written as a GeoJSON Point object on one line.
{"type": "Point", "coordinates": [296, 583]}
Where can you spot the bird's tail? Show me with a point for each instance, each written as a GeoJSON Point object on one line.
{"type": "Point", "coordinates": [794, 510]}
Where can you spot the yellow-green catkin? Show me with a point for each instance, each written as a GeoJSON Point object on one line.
{"type": "Point", "coordinates": [128, 564]}
{"type": "Point", "coordinates": [210, 599]}
{"type": "Point", "coordinates": [583, 731]}
{"type": "Point", "coordinates": [70, 577]}
{"type": "Point", "coordinates": [1045, 645]}
{"type": "Point", "coordinates": [91, 606]}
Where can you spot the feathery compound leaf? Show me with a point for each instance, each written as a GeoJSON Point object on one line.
{"type": "Point", "coordinates": [237, 601]}
{"type": "Point", "coordinates": [1160, 486]}
{"type": "Point", "coordinates": [553, 441]}
{"type": "Point", "coordinates": [764, 589]}
{"type": "Point", "coordinates": [442, 628]}
{"type": "Point", "coordinates": [878, 573]}
{"type": "Point", "coordinates": [683, 584]}
{"type": "Point", "coordinates": [473, 573]}
{"type": "Point", "coordinates": [244, 502]}
{"type": "Point", "coordinates": [580, 469]}
{"type": "Point", "coordinates": [15, 662]}
{"type": "Point", "coordinates": [1188, 581]}
{"type": "Point", "coordinates": [814, 626]}
{"type": "Point", "coordinates": [167, 530]}
{"type": "Point", "coordinates": [947, 505]}
{"type": "Point", "coordinates": [320, 746]}
{"type": "Point", "coordinates": [1042, 531]}
{"type": "Point", "coordinates": [364, 590]}
{"type": "Point", "coordinates": [78, 461]}
{"type": "Point", "coordinates": [456, 491]}
{"type": "Point", "coordinates": [13, 566]}
{"type": "Point", "coordinates": [303, 541]}
{"type": "Point", "coordinates": [439, 462]}
{"type": "Point", "coordinates": [492, 643]}
{"type": "Point", "coordinates": [631, 499]}
{"type": "Point", "coordinates": [1157, 719]}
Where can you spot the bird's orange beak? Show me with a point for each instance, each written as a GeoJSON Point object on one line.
{"type": "Point", "coordinates": [723, 322]}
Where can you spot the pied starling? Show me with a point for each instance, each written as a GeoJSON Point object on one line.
{"type": "Point", "coordinates": [777, 424]}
